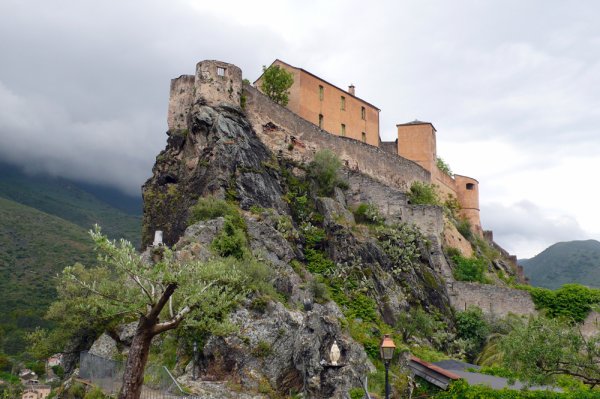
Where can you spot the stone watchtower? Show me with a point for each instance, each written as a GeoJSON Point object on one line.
{"type": "Point", "coordinates": [214, 83]}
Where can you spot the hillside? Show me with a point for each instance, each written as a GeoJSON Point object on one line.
{"type": "Point", "coordinates": [80, 204]}
{"type": "Point", "coordinates": [35, 247]}
{"type": "Point", "coordinates": [565, 262]}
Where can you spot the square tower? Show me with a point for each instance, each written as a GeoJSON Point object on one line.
{"type": "Point", "coordinates": [416, 141]}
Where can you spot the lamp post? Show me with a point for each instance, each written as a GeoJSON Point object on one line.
{"type": "Point", "coordinates": [386, 349]}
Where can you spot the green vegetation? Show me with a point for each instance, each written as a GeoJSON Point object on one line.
{"type": "Point", "coordinates": [443, 166]}
{"type": "Point", "coordinates": [469, 269]}
{"type": "Point", "coordinates": [325, 170]}
{"type": "Point", "coordinates": [541, 348]}
{"type": "Point", "coordinates": [35, 247]}
{"type": "Point", "coordinates": [368, 214]}
{"type": "Point", "coordinates": [473, 328]}
{"type": "Point", "coordinates": [231, 240]}
{"type": "Point", "coordinates": [276, 82]}
{"type": "Point", "coordinates": [572, 301]}
{"type": "Point", "coordinates": [122, 288]}
{"type": "Point", "coordinates": [423, 194]}
{"type": "Point", "coordinates": [401, 243]}
{"type": "Point", "coordinates": [208, 208]}
{"type": "Point", "coordinates": [462, 390]}
{"type": "Point", "coordinates": [565, 263]}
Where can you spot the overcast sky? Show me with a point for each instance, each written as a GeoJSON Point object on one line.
{"type": "Point", "coordinates": [511, 86]}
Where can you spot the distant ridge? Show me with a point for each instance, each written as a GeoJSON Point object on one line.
{"type": "Point", "coordinates": [563, 263]}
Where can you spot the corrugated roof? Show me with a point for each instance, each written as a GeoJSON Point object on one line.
{"type": "Point", "coordinates": [431, 366]}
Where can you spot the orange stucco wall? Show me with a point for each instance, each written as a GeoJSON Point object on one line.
{"type": "Point", "coordinates": [305, 100]}
{"type": "Point", "coordinates": [417, 143]}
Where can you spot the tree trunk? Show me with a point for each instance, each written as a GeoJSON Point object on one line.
{"type": "Point", "coordinates": [133, 376]}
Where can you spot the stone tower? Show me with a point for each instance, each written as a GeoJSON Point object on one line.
{"type": "Point", "coordinates": [214, 83]}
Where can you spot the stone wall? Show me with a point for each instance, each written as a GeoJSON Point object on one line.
{"type": "Point", "coordinates": [492, 299]}
{"type": "Point", "coordinates": [290, 136]}
{"type": "Point", "coordinates": [180, 100]}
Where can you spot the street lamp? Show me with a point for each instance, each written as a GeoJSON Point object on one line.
{"type": "Point", "coordinates": [386, 349]}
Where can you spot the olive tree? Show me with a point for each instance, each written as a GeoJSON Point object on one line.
{"type": "Point", "coordinates": [159, 296]}
{"type": "Point", "coordinates": [543, 348]}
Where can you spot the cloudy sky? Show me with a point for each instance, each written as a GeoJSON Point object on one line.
{"type": "Point", "coordinates": [511, 86]}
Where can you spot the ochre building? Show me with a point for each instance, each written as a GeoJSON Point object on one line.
{"type": "Point", "coordinates": [334, 110]}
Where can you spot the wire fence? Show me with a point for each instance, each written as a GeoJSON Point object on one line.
{"type": "Point", "coordinates": [107, 374]}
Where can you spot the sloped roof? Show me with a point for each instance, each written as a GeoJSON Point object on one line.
{"type": "Point", "coordinates": [417, 122]}
{"type": "Point", "coordinates": [322, 80]}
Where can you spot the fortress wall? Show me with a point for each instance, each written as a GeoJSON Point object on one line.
{"type": "Point", "coordinates": [180, 100]}
{"type": "Point", "coordinates": [446, 184]}
{"type": "Point", "coordinates": [280, 129]}
{"type": "Point", "coordinates": [492, 299]}
{"type": "Point", "coordinates": [218, 82]}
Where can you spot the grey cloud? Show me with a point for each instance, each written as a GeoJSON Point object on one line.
{"type": "Point", "coordinates": [84, 85]}
{"type": "Point", "coordinates": [525, 229]}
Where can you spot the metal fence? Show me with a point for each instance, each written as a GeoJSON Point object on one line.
{"type": "Point", "coordinates": [108, 374]}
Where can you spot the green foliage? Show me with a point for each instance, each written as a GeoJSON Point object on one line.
{"type": "Point", "coordinates": [319, 290]}
{"type": "Point", "coordinates": [417, 323]}
{"type": "Point", "coordinates": [368, 214]}
{"type": "Point", "coordinates": [464, 228]}
{"type": "Point", "coordinates": [262, 349]}
{"type": "Point", "coordinates": [208, 208]}
{"type": "Point", "coordinates": [357, 393]}
{"type": "Point", "coordinates": [543, 348]}
{"type": "Point", "coordinates": [401, 243]}
{"type": "Point", "coordinates": [472, 327]}
{"type": "Point", "coordinates": [498, 371]}
{"type": "Point", "coordinates": [231, 240]}
{"type": "Point", "coordinates": [462, 390]}
{"type": "Point", "coordinates": [76, 391]}
{"type": "Point", "coordinates": [571, 301]}
{"type": "Point", "coordinates": [325, 171]}
{"type": "Point", "coordinates": [276, 82]}
{"type": "Point", "coordinates": [318, 262]}
{"type": "Point", "coordinates": [59, 371]}
{"type": "Point", "coordinates": [95, 393]}
{"type": "Point", "coordinates": [469, 269]}
{"type": "Point", "coordinates": [123, 286]}
{"type": "Point", "coordinates": [423, 194]}
{"type": "Point", "coordinates": [313, 236]}
{"type": "Point", "coordinates": [443, 166]}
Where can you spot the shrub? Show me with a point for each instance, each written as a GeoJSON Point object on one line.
{"type": "Point", "coordinates": [208, 208]}
{"type": "Point", "coordinates": [231, 241]}
{"type": "Point", "coordinates": [262, 349]}
{"type": "Point", "coordinates": [95, 393]}
{"type": "Point", "coordinates": [318, 263]}
{"type": "Point", "coordinates": [464, 228]}
{"type": "Point", "coordinates": [417, 323]}
{"type": "Point", "coordinates": [571, 301]}
{"type": "Point", "coordinates": [443, 166]}
{"type": "Point", "coordinates": [423, 194]}
{"type": "Point", "coordinates": [401, 243]}
{"type": "Point", "coordinates": [276, 82]}
{"type": "Point", "coordinates": [325, 171]}
{"type": "Point", "coordinates": [313, 235]}
{"type": "Point", "coordinates": [368, 214]}
{"type": "Point", "coordinates": [473, 328]}
{"type": "Point", "coordinates": [469, 269]}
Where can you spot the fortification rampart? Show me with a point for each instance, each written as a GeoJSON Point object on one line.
{"type": "Point", "coordinates": [492, 299]}
{"type": "Point", "coordinates": [289, 135]}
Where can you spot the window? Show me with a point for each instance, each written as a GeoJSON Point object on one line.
{"type": "Point", "coordinates": [321, 121]}
{"type": "Point", "coordinates": [363, 113]}
{"type": "Point", "coordinates": [470, 186]}
{"type": "Point", "coordinates": [321, 92]}
{"type": "Point", "coordinates": [220, 71]}
{"type": "Point", "coordinates": [364, 137]}
{"type": "Point", "coordinates": [343, 103]}
{"type": "Point", "coordinates": [343, 129]}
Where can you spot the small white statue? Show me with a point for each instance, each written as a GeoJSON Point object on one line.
{"type": "Point", "coordinates": [158, 238]}
{"type": "Point", "coordinates": [334, 353]}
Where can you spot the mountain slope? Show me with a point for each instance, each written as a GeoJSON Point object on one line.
{"type": "Point", "coordinates": [34, 247]}
{"type": "Point", "coordinates": [565, 262]}
{"type": "Point", "coordinates": [83, 205]}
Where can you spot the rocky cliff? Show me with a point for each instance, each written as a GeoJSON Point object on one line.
{"type": "Point", "coordinates": [339, 279]}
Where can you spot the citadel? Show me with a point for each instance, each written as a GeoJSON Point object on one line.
{"type": "Point", "coordinates": [353, 123]}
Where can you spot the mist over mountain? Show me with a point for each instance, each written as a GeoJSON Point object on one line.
{"type": "Point", "coordinates": [565, 262]}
